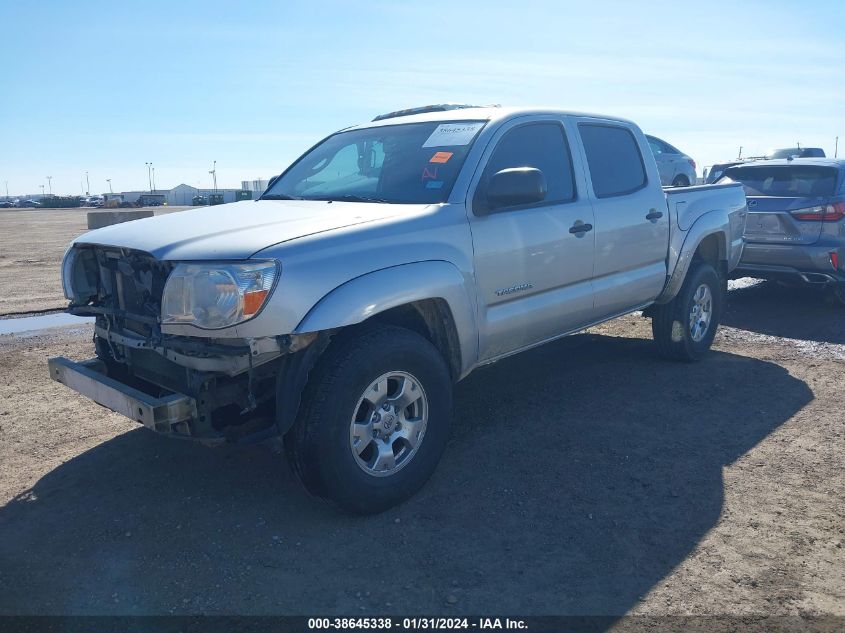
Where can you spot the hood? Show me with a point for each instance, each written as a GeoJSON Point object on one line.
{"type": "Point", "coordinates": [237, 230]}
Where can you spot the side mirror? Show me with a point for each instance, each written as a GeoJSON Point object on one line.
{"type": "Point", "coordinates": [516, 186]}
{"type": "Point", "coordinates": [272, 181]}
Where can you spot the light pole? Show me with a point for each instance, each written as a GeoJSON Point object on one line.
{"type": "Point", "coordinates": [154, 179]}
{"type": "Point", "coordinates": [42, 190]}
{"type": "Point", "coordinates": [7, 188]}
{"type": "Point", "coordinates": [149, 175]}
{"type": "Point", "coordinates": [213, 173]}
{"type": "Point", "coordinates": [87, 185]}
{"type": "Point", "coordinates": [835, 154]}
{"type": "Point", "coordinates": [108, 180]}
{"type": "Point", "coordinates": [50, 184]}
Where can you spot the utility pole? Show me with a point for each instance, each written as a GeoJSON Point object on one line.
{"type": "Point", "coordinates": [108, 180]}
{"type": "Point", "coordinates": [50, 184]}
{"type": "Point", "coordinates": [87, 185]}
{"type": "Point", "coordinates": [149, 175]}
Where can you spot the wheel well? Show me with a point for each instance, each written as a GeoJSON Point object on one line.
{"type": "Point", "coordinates": [712, 250]}
{"type": "Point", "coordinates": [432, 319]}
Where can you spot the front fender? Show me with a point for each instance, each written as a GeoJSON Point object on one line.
{"type": "Point", "coordinates": [363, 297]}
{"type": "Point", "coordinates": [710, 223]}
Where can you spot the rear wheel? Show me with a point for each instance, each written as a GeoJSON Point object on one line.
{"type": "Point", "coordinates": [680, 181]}
{"type": "Point", "coordinates": [684, 328]}
{"type": "Point", "coordinates": [374, 421]}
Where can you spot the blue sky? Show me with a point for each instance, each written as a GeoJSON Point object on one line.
{"type": "Point", "coordinates": [107, 86]}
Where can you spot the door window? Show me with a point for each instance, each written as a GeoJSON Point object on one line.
{"type": "Point", "coordinates": [539, 145]}
{"type": "Point", "coordinates": [616, 165]}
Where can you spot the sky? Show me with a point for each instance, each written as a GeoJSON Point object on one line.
{"type": "Point", "coordinates": [105, 87]}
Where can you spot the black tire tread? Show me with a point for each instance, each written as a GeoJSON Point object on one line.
{"type": "Point", "coordinates": [342, 353]}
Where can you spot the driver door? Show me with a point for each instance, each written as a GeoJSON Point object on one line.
{"type": "Point", "coordinates": [533, 263]}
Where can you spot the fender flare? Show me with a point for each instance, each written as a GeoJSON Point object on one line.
{"type": "Point", "coordinates": [710, 223]}
{"type": "Point", "coordinates": [372, 293]}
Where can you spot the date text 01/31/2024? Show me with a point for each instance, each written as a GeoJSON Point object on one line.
{"type": "Point", "coordinates": [416, 623]}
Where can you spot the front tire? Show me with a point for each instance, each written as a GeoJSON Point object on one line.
{"type": "Point", "coordinates": [374, 421]}
{"type": "Point", "coordinates": [685, 327]}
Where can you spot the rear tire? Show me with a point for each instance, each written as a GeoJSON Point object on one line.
{"type": "Point", "coordinates": [374, 420]}
{"type": "Point", "coordinates": [680, 181]}
{"type": "Point", "coordinates": [685, 327]}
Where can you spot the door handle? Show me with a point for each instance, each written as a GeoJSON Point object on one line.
{"type": "Point", "coordinates": [654, 214]}
{"type": "Point", "coordinates": [580, 229]}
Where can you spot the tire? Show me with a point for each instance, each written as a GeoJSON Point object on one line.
{"type": "Point", "coordinates": [680, 181]}
{"type": "Point", "coordinates": [339, 444]}
{"type": "Point", "coordinates": [671, 323]}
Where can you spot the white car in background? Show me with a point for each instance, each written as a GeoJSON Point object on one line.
{"type": "Point", "coordinates": [676, 168]}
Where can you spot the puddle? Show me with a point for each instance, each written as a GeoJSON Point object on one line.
{"type": "Point", "coordinates": [41, 322]}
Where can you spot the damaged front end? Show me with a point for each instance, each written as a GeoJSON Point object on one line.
{"type": "Point", "coordinates": [212, 389]}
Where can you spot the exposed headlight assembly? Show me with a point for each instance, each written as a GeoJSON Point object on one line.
{"type": "Point", "coordinates": [79, 275]}
{"type": "Point", "coordinates": [218, 295]}
{"type": "Point", "coordinates": [68, 262]}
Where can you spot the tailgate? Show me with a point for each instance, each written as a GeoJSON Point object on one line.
{"type": "Point", "coordinates": [770, 220]}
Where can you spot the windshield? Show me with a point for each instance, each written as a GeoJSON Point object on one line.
{"type": "Point", "coordinates": [788, 181]}
{"type": "Point", "coordinates": [415, 163]}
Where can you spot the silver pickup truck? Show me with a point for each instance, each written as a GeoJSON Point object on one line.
{"type": "Point", "coordinates": [383, 266]}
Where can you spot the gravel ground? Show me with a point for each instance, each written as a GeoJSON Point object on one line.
{"type": "Point", "coordinates": [32, 243]}
{"type": "Point", "coordinates": [584, 477]}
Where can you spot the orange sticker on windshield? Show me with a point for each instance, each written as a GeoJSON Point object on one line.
{"type": "Point", "coordinates": [441, 157]}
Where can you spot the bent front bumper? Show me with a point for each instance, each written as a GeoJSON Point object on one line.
{"type": "Point", "coordinates": [169, 414]}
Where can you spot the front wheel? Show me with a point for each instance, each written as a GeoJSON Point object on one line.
{"type": "Point", "coordinates": [374, 421]}
{"type": "Point", "coordinates": [685, 327]}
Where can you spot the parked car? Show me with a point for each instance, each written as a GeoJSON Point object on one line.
{"type": "Point", "coordinates": [796, 221]}
{"type": "Point", "coordinates": [676, 168]}
{"type": "Point", "coordinates": [387, 263]}
{"type": "Point", "coordinates": [26, 204]}
{"type": "Point", "coordinates": [6, 204]}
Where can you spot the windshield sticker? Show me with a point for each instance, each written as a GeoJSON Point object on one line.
{"type": "Point", "coordinates": [441, 157]}
{"type": "Point", "coordinates": [451, 134]}
{"type": "Point", "coordinates": [429, 173]}
{"type": "Point", "coordinates": [434, 184]}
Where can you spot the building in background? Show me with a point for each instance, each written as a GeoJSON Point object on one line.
{"type": "Point", "coordinates": [257, 187]}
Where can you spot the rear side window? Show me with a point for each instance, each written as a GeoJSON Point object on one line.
{"type": "Point", "coordinates": [788, 181]}
{"type": "Point", "coordinates": [616, 165]}
{"type": "Point", "coordinates": [542, 146]}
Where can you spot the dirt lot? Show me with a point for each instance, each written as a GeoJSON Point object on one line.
{"type": "Point", "coordinates": [32, 242]}
{"type": "Point", "coordinates": [584, 477]}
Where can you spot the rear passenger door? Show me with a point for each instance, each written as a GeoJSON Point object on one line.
{"type": "Point", "coordinates": [631, 218]}
{"type": "Point", "coordinates": [533, 262]}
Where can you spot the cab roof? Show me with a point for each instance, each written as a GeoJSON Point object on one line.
{"type": "Point", "coordinates": [487, 113]}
